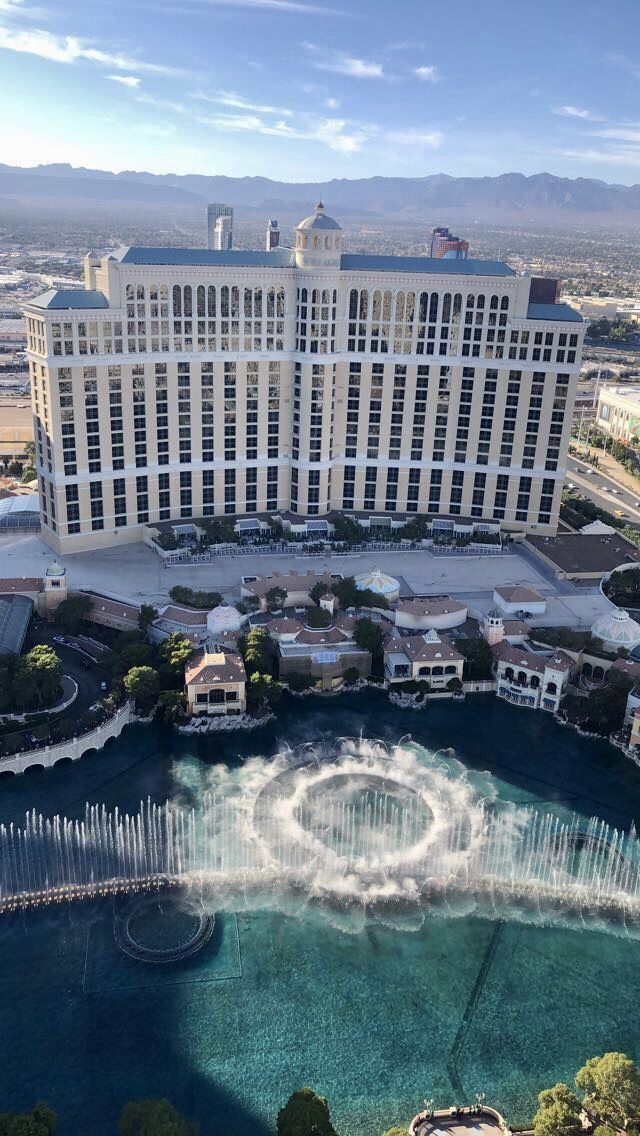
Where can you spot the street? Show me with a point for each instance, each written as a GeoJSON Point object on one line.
{"type": "Point", "coordinates": [600, 488]}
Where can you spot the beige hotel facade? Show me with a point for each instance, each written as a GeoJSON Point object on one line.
{"type": "Point", "coordinates": [183, 383]}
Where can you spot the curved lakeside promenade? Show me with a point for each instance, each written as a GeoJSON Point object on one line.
{"type": "Point", "coordinates": [72, 750]}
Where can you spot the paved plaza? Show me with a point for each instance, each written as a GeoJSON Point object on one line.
{"type": "Point", "coordinates": [134, 573]}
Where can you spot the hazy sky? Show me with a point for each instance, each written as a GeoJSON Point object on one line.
{"type": "Point", "coordinates": [302, 90]}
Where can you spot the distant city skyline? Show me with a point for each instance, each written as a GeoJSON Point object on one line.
{"type": "Point", "coordinates": [301, 91]}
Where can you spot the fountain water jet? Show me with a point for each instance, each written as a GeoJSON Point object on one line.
{"type": "Point", "coordinates": [358, 828]}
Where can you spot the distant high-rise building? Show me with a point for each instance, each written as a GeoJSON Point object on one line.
{"type": "Point", "coordinates": [223, 234]}
{"type": "Point", "coordinates": [214, 212]}
{"type": "Point", "coordinates": [272, 239]}
{"type": "Point", "coordinates": [444, 244]}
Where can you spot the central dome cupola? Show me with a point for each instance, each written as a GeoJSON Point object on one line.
{"type": "Point", "coordinates": [318, 241]}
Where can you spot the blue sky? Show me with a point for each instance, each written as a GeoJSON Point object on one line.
{"type": "Point", "coordinates": [297, 90]}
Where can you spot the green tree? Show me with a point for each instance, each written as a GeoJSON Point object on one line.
{"type": "Point", "coordinates": [395, 1132]}
{"type": "Point", "coordinates": [202, 600]}
{"type": "Point", "coordinates": [174, 653]}
{"type": "Point", "coordinates": [153, 1118]}
{"type": "Point", "coordinates": [368, 636]}
{"type": "Point", "coordinates": [317, 617]}
{"type": "Point", "coordinates": [171, 707]}
{"type": "Point", "coordinates": [351, 675]}
{"type": "Point", "coordinates": [258, 651]}
{"type": "Point", "coordinates": [478, 658]}
{"type": "Point", "coordinates": [611, 1087]}
{"type": "Point", "coordinates": [130, 652]}
{"type": "Point", "coordinates": [559, 1111]}
{"type": "Point", "coordinates": [276, 598]}
{"type": "Point", "coordinates": [261, 689]}
{"type": "Point", "coordinates": [317, 591]}
{"type": "Point", "coordinates": [41, 1121]}
{"type": "Point", "coordinates": [454, 684]}
{"type": "Point", "coordinates": [142, 684]}
{"type": "Point", "coordinates": [305, 1114]}
{"type": "Point", "coordinates": [348, 530]}
{"type": "Point", "coordinates": [14, 469]}
{"type": "Point", "coordinates": [349, 595]}
{"type": "Point", "coordinates": [72, 612]}
{"type": "Point", "coordinates": [28, 474]}
{"type": "Point", "coordinates": [147, 615]}
{"type": "Point", "coordinates": [36, 678]}
{"type": "Point", "coordinates": [30, 452]}
{"type": "Point", "coordinates": [605, 707]}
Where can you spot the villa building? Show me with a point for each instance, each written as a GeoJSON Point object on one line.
{"type": "Point", "coordinates": [322, 654]}
{"type": "Point", "coordinates": [215, 683]}
{"type": "Point", "coordinates": [182, 383]}
{"type": "Point", "coordinates": [427, 657]}
{"type": "Point", "coordinates": [527, 678]}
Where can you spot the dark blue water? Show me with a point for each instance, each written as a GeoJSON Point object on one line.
{"type": "Point", "coordinates": [375, 1020]}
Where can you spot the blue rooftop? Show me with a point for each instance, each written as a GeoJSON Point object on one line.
{"type": "Point", "coordinates": [67, 298]}
{"type": "Point", "coordinates": [561, 312]}
{"type": "Point", "coordinates": [283, 258]}
{"type": "Point", "coordinates": [231, 258]}
{"type": "Point", "coordinates": [431, 264]}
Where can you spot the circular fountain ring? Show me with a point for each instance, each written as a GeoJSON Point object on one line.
{"type": "Point", "coordinates": [163, 929]}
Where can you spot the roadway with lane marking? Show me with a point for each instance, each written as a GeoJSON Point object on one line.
{"type": "Point", "coordinates": [599, 486]}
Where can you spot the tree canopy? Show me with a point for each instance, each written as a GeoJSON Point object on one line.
{"type": "Point", "coordinates": [72, 612]}
{"type": "Point", "coordinates": [611, 1087]}
{"type": "Point", "coordinates": [305, 1114]}
{"type": "Point", "coordinates": [31, 681]}
{"type": "Point", "coordinates": [148, 613]}
{"type": "Point", "coordinates": [142, 684]}
{"type": "Point", "coordinates": [204, 601]}
{"type": "Point", "coordinates": [41, 1121]}
{"type": "Point", "coordinates": [559, 1111]}
{"type": "Point", "coordinates": [154, 1118]}
{"type": "Point", "coordinates": [276, 598]}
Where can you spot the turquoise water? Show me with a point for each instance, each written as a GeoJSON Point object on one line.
{"type": "Point", "coordinates": [377, 1020]}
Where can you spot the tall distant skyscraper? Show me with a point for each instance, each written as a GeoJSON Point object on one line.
{"type": "Point", "coordinates": [215, 211]}
{"type": "Point", "coordinates": [272, 237]}
{"type": "Point", "coordinates": [444, 244]}
{"type": "Point", "coordinates": [223, 234]}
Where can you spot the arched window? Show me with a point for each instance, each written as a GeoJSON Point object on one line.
{"type": "Point", "coordinates": [446, 307]}
{"type": "Point", "coordinates": [534, 682]}
{"type": "Point", "coordinates": [164, 293]}
{"type": "Point", "coordinates": [399, 307]}
{"type": "Point", "coordinates": [386, 307]}
{"type": "Point", "coordinates": [494, 304]}
{"type": "Point", "coordinates": [364, 304]}
{"type": "Point", "coordinates": [480, 301]}
{"type": "Point", "coordinates": [470, 301]}
{"type": "Point", "coordinates": [139, 291]}
{"type": "Point", "coordinates": [457, 305]}
{"type": "Point", "coordinates": [504, 304]}
{"type": "Point", "coordinates": [410, 307]}
{"type": "Point", "coordinates": [248, 303]}
{"type": "Point", "coordinates": [224, 301]}
{"type": "Point", "coordinates": [424, 670]}
{"type": "Point", "coordinates": [235, 302]}
{"type": "Point", "coordinates": [257, 303]}
{"type": "Point", "coordinates": [316, 242]}
{"type": "Point", "coordinates": [200, 300]}
{"type": "Point", "coordinates": [508, 673]}
{"type": "Point", "coordinates": [424, 307]}
{"type": "Point", "coordinates": [187, 300]}
{"type": "Point", "coordinates": [450, 670]}
{"type": "Point", "coordinates": [587, 670]}
{"type": "Point", "coordinates": [433, 307]}
{"type": "Point", "coordinates": [211, 301]}
{"type": "Point", "coordinates": [335, 295]}
{"type": "Point", "coordinates": [315, 296]}
{"type": "Point", "coordinates": [280, 307]}
{"type": "Point", "coordinates": [271, 301]}
{"type": "Point", "coordinates": [327, 242]}
{"type": "Point", "coordinates": [522, 677]}
{"type": "Point", "coordinates": [129, 291]}
{"type": "Point", "coordinates": [552, 688]}
{"type": "Point", "coordinates": [303, 296]}
{"type": "Point", "coordinates": [305, 241]}
{"type": "Point", "coordinates": [437, 671]}
{"type": "Point", "coordinates": [177, 300]}
{"type": "Point", "coordinates": [376, 306]}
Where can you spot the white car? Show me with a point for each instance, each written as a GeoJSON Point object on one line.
{"type": "Point", "coordinates": [591, 473]}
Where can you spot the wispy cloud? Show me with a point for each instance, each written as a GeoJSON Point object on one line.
{"type": "Point", "coordinates": [229, 99]}
{"type": "Point", "coordinates": [70, 49]}
{"type": "Point", "coordinates": [334, 133]}
{"type": "Point", "coordinates": [430, 138]}
{"type": "Point", "coordinates": [577, 112]}
{"type": "Point", "coordinates": [276, 6]}
{"type": "Point", "coordinates": [332, 103]}
{"type": "Point", "coordinates": [426, 74]}
{"type": "Point", "coordinates": [343, 64]}
{"type": "Point", "coordinates": [131, 81]}
{"type": "Point", "coordinates": [624, 132]}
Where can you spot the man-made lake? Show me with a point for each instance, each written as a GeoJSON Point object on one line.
{"type": "Point", "coordinates": [373, 1016]}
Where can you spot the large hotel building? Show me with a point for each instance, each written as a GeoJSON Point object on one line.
{"type": "Point", "coordinates": [185, 383]}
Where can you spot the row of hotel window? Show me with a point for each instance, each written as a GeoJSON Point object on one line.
{"type": "Point", "coordinates": [434, 505]}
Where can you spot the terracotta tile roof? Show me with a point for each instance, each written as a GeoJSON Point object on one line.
{"type": "Point", "coordinates": [113, 607]}
{"type": "Point", "coordinates": [208, 667]}
{"type": "Point", "coordinates": [186, 616]}
{"type": "Point", "coordinates": [519, 593]}
{"type": "Point", "coordinates": [322, 635]}
{"type": "Point", "coordinates": [419, 650]}
{"type": "Point", "coordinates": [21, 584]}
{"type": "Point", "coordinates": [291, 582]}
{"type": "Point", "coordinates": [517, 657]}
{"type": "Point", "coordinates": [432, 605]}
{"type": "Point", "coordinates": [283, 626]}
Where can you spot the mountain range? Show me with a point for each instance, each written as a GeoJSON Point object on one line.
{"type": "Point", "coordinates": [511, 196]}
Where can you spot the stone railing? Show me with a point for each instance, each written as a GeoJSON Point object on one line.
{"type": "Point", "coordinates": [73, 749]}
